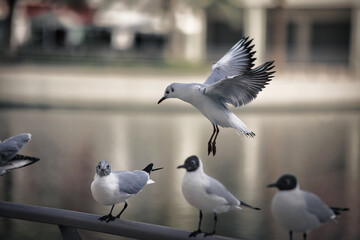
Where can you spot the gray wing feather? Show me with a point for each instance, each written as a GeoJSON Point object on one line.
{"type": "Point", "coordinates": [18, 161]}
{"type": "Point", "coordinates": [10, 146]}
{"type": "Point", "coordinates": [236, 61]}
{"type": "Point", "coordinates": [8, 150]}
{"type": "Point", "coordinates": [242, 89]}
{"type": "Point", "coordinates": [132, 182]}
{"type": "Point", "coordinates": [317, 207]}
{"type": "Point", "coordinates": [216, 188]}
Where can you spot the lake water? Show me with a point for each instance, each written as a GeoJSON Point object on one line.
{"type": "Point", "coordinates": [320, 147]}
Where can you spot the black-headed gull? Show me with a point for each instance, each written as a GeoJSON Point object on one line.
{"type": "Point", "coordinates": [297, 210]}
{"type": "Point", "coordinates": [206, 193]}
{"type": "Point", "coordinates": [232, 81]}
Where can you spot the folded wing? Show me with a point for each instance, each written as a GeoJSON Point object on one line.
{"type": "Point", "coordinates": [132, 182]}
{"type": "Point", "coordinates": [317, 207]}
{"type": "Point", "coordinates": [216, 188]}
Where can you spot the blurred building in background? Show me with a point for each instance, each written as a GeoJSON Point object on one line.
{"type": "Point", "coordinates": [294, 32]}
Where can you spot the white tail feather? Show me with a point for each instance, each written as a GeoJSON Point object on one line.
{"type": "Point", "coordinates": [239, 208]}
{"type": "Point", "coordinates": [150, 181]}
{"type": "Point", "coordinates": [240, 127]}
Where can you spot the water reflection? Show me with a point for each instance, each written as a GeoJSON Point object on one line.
{"type": "Point", "coordinates": [321, 149]}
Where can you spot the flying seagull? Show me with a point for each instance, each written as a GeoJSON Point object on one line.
{"type": "Point", "coordinates": [232, 81]}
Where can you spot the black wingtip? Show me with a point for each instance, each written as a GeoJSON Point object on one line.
{"type": "Point", "coordinates": [245, 38]}
{"type": "Point", "coordinates": [23, 157]}
{"type": "Point", "coordinates": [269, 64]}
{"type": "Point", "coordinates": [264, 70]}
{"type": "Point", "coordinates": [155, 169]}
{"type": "Point", "coordinates": [249, 206]}
{"type": "Point", "coordinates": [250, 134]}
{"type": "Point", "coordinates": [337, 210]}
{"type": "Point", "coordinates": [148, 168]}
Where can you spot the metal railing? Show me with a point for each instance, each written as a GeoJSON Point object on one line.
{"type": "Point", "coordinates": [69, 221]}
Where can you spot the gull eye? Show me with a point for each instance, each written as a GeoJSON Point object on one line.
{"type": "Point", "coordinates": [193, 162]}
{"type": "Point", "coordinates": [172, 89]}
{"type": "Point", "coordinates": [108, 166]}
{"type": "Point", "coordinates": [167, 92]}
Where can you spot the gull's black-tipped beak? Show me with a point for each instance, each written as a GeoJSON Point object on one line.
{"type": "Point", "coordinates": [272, 185]}
{"type": "Point", "coordinates": [161, 99]}
{"type": "Point", "coordinates": [181, 166]}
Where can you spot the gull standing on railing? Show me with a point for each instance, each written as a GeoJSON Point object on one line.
{"type": "Point", "coordinates": [206, 193]}
{"type": "Point", "coordinates": [110, 188]}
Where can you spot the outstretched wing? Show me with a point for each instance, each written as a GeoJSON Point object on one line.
{"type": "Point", "coordinates": [18, 161]}
{"type": "Point", "coordinates": [236, 61]}
{"type": "Point", "coordinates": [241, 89]}
{"type": "Point", "coordinates": [7, 152]}
{"type": "Point", "coordinates": [10, 146]}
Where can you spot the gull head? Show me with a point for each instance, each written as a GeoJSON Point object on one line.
{"type": "Point", "coordinates": [170, 92]}
{"type": "Point", "coordinates": [285, 182]}
{"type": "Point", "coordinates": [191, 164]}
{"type": "Point", "coordinates": [103, 168]}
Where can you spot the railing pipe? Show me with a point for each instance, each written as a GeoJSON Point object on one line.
{"type": "Point", "coordinates": [70, 221]}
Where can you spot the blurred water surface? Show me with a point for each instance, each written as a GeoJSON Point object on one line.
{"type": "Point", "coordinates": [320, 147]}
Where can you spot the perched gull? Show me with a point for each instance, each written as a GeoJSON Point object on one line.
{"type": "Point", "coordinates": [232, 81]}
{"type": "Point", "coordinates": [9, 159]}
{"type": "Point", "coordinates": [297, 210]}
{"type": "Point", "coordinates": [206, 193]}
{"type": "Point", "coordinates": [110, 188]}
